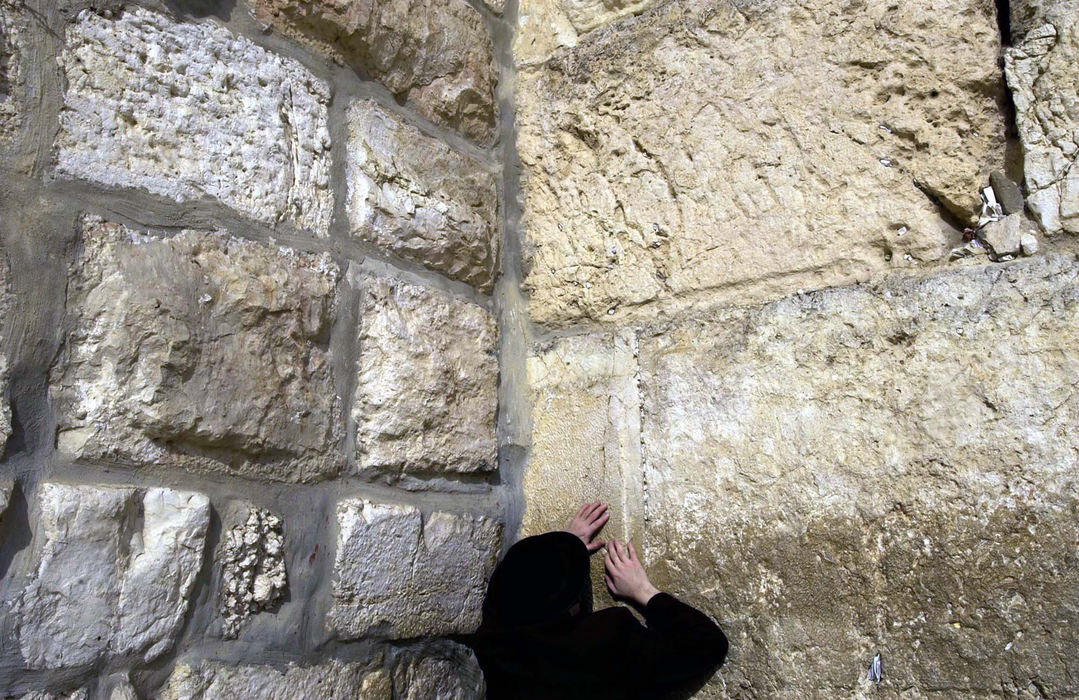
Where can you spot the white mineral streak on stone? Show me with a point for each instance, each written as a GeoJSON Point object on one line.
{"type": "Point", "coordinates": [697, 152]}
{"type": "Point", "coordinates": [442, 676]}
{"type": "Point", "coordinates": [79, 694]}
{"type": "Point", "coordinates": [252, 559]}
{"type": "Point", "coordinates": [6, 487]}
{"type": "Point", "coordinates": [99, 587]}
{"type": "Point", "coordinates": [397, 574]}
{"type": "Point", "coordinates": [416, 197]}
{"type": "Point", "coordinates": [13, 25]}
{"type": "Point", "coordinates": [188, 110]}
{"type": "Point", "coordinates": [874, 467]}
{"type": "Point", "coordinates": [333, 680]}
{"type": "Point", "coordinates": [436, 54]}
{"type": "Point", "coordinates": [151, 376]}
{"type": "Point", "coordinates": [1042, 74]}
{"type": "Point", "coordinates": [586, 441]}
{"type": "Point", "coordinates": [427, 386]}
{"type": "Point", "coordinates": [6, 304]}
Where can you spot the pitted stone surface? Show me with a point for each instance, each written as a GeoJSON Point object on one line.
{"type": "Point", "coordinates": [680, 156]}
{"type": "Point", "coordinates": [449, 674]}
{"type": "Point", "coordinates": [252, 559]}
{"type": "Point", "coordinates": [13, 26]}
{"type": "Point", "coordinates": [79, 694]}
{"type": "Point", "coordinates": [400, 574]}
{"type": "Point", "coordinates": [426, 391]}
{"type": "Point", "coordinates": [416, 197]}
{"type": "Point", "coordinates": [103, 583]}
{"type": "Point", "coordinates": [875, 468]}
{"type": "Point", "coordinates": [6, 307]}
{"type": "Point", "coordinates": [333, 680]}
{"type": "Point", "coordinates": [436, 54]}
{"type": "Point", "coordinates": [190, 110]}
{"type": "Point", "coordinates": [1042, 74]}
{"type": "Point", "coordinates": [199, 351]}
{"type": "Point", "coordinates": [586, 439]}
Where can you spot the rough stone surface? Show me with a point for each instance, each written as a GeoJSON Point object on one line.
{"type": "Point", "coordinates": [883, 468]}
{"type": "Point", "coordinates": [452, 674]}
{"type": "Point", "coordinates": [400, 574]}
{"type": "Point", "coordinates": [427, 384]}
{"type": "Point", "coordinates": [1007, 192]}
{"type": "Point", "coordinates": [13, 27]}
{"type": "Point", "coordinates": [748, 152]}
{"type": "Point", "coordinates": [416, 197]}
{"type": "Point", "coordinates": [6, 304]}
{"type": "Point", "coordinates": [252, 560]}
{"type": "Point", "coordinates": [1045, 88]}
{"type": "Point", "coordinates": [333, 680]}
{"type": "Point", "coordinates": [104, 582]}
{"type": "Point", "coordinates": [586, 441]}
{"type": "Point", "coordinates": [199, 351]}
{"type": "Point", "coordinates": [189, 110]}
{"type": "Point", "coordinates": [80, 694]}
{"type": "Point", "coordinates": [436, 54]}
{"type": "Point", "coordinates": [1003, 236]}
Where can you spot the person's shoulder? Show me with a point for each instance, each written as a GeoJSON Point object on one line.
{"type": "Point", "coordinates": [615, 616]}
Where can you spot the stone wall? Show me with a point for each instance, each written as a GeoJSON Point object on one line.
{"type": "Point", "coordinates": [251, 348]}
{"type": "Point", "coordinates": [310, 309]}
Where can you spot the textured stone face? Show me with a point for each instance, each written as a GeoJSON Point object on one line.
{"type": "Point", "coordinates": [333, 680]}
{"type": "Point", "coordinates": [252, 560]}
{"type": "Point", "coordinates": [6, 304]}
{"type": "Point", "coordinates": [189, 110]}
{"type": "Point", "coordinates": [454, 675]}
{"type": "Point", "coordinates": [888, 468]}
{"type": "Point", "coordinates": [199, 351]}
{"type": "Point", "coordinates": [101, 585]}
{"type": "Point", "coordinates": [1042, 74]}
{"type": "Point", "coordinates": [399, 574]}
{"type": "Point", "coordinates": [412, 195]}
{"type": "Point", "coordinates": [12, 47]}
{"type": "Point", "coordinates": [700, 151]}
{"type": "Point", "coordinates": [586, 441]}
{"type": "Point", "coordinates": [436, 54]}
{"type": "Point", "coordinates": [427, 384]}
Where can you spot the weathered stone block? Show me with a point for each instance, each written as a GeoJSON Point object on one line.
{"type": "Point", "coordinates": [428, 381]}
{"type": "Point", "coordinates": [1041, 73]}
{"type": "Point", "coordinates": [199, 351]}
{"type": "Point", "coordinates": [436, 54]}
{"type": "Point", "coordinates": [13, 25]}
{"type": "Point", "coordinates": [887, 467]}
{"type": "Point", "coordinates": [400, 574]}
{"type": "Point", "coordinates": [333, 680]}
{"type": "Point", "coordinates": [418, 198]}
{"type": "Point", "coordinates": [680, 157]}
{"type": "Point", "coordinates": [190, 110]}
{"type": "Point", "coordinates": [80, 694]}
{"type": "Point", "coordinates": [105, 583]}
{"type": "Point", "coordinates": [447, 674]}
{"type": "Point", "coordinates": [252, 560]}
{"type": "Point", "coordinates": [586, 438]}
{"type": "Point", "coordinates": [6, 304]}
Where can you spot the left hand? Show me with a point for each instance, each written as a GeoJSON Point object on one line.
{"type": "Point", "coordinates": [586, 524]}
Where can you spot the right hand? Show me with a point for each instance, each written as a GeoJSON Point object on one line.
{"type": "Point", "coordinates": [625, 574]}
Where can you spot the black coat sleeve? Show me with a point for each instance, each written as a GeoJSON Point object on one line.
{"type": "Point", "coordinates": [683, 643]}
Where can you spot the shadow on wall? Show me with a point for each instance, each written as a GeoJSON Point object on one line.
{"type": "Point", "coordinates": [221, 9]}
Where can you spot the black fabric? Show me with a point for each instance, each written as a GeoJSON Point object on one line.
{"type": "Point", "coordinates": [539, 579]}
{"type": "Point", "coordinates": [606, 654]}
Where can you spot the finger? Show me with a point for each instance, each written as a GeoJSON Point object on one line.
{"type": "Point", "coordinates": [617, 553]}
{"type": "Point", "coordinates": [609, 582]}
{"type": "Point", "coordinates": [590, 511]}
{"type": "Point", "coordinates": [580, 511]}
{"type": "Point", "coordinates": [600, 511]}
{"type": "Point", "coordinates": [598, 524]}
{"type": "Point", "coordinates": [633, 554]}
{"type": "Point", "coordinates": [595, 546]}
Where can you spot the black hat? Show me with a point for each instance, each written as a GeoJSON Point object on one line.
{"type": "Point", "coordinates": [540, 578]}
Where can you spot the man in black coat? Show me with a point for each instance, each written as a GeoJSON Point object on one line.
{"type": "Point", "coordinates": [540, 639]}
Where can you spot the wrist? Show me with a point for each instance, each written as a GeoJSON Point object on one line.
{"type": "Point", "coordinates": [646, 594]}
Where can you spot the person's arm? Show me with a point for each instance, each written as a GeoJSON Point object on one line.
{"type": "Point", "coordinates": [681, 642]}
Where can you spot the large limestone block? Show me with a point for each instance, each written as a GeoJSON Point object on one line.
{"type": "Point", "coordinates": [436, 54]}
{"type": "Point", "coordinates": [333, 680]}
{"type": "Point", "coordinates": [586, 439]}
{"type": "Point", "coordinates": [418, 198]}
{"type": "Point", "coordinates": [427, 384]}
{"type": "Point", "coordinates": [398, 573]}
{"type": "Point", "coordinates": [885, 468]}
{"type": "Point", "coordinates": [190, 110]}
{"type": "Point", "coordinates": [1042, 74]}
{"type": "Point", "coordinates": [199, 351]}
{"type": "Point", "coordinates": [701, 152]}
{"type": "Point", "coordinates": [13, 34]}
{"type": "Point", "coordinates": [113, 569]}
{"type": "Point", "coordinates": [444, 674]}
